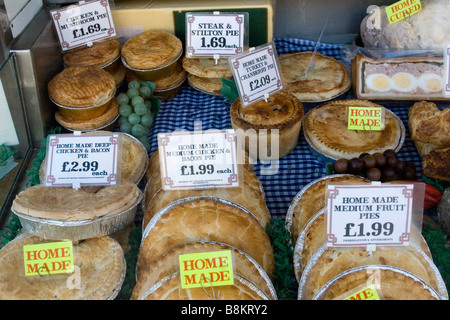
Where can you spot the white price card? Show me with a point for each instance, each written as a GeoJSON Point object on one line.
{"type": "Point", "coordinates": [216, 34]}
{"type": "Point", "coordinates": [257, 73]}
{"type": "Point", "coordinates": [83, 24]}
{"type": "Point", "coordinates": [82, 159]}
{"type": "Point", "coordinates": [368, 214]}
{"type": "Point", "coordinates": [198, 159]}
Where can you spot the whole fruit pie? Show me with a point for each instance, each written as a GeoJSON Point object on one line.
{"type": "Point", "coordinates": [326, 128]}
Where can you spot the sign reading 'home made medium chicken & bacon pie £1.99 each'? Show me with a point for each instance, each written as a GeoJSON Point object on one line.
{"type": "Point", "coordinates": [256, 73]}
{"type": "Point", "coordinates": [198, 159]}
{"type": "Point", "coordinates": [373, 214]}
{"type": "Point", "coordinates": [216, 34]}
{"type": "Point", "coordinates": [83, 23]}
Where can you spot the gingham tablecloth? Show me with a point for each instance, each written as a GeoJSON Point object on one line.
{"type": "Point", "coordinates": [192, 108]}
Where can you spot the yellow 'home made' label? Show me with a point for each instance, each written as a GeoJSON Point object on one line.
{"type": "Point", "coordinates": [48, 258]}
{"type": "Point", "coordinates": [213, 268]}
{"type": "Point", "coordinates": [365, 118]}
{"type": "Point", "coordinates": [368, 293]}
{"type": "Point", "coordinates": [402, 9]}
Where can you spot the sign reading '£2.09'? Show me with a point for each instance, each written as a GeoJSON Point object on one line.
{"type": "Point", "coordinates": [257, 73]}
{"type": "Point", "coordinates": [85, 23]}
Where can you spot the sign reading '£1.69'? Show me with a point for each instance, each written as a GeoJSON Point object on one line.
{"type": "Point", "coordinates": [82, 24]}
{"type": "Point", "coordinates": [215, 34]}
{"type": "Point", "coordinates": [361, 215]}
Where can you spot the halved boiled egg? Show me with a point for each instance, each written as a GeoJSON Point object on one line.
{"type": "Point", "coordinates": [430, 82]}
{"type": "Point", "coordinates": [379, 82]}
{"type": "Point", "coordinates": [404, 82]}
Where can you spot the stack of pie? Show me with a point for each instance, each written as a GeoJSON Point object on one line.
{"type": "Point", "coordinates": [99, 272]}
{"type": "Point", "coordinates": [168, 86]}
{"type": "Point", "coordinates": [84, 97]}
{"type": "Point", "coordinates": [275, 122]}
{"type": "Point", "coordinates": [203, 219]}
{"type": "Point", "coordinates": [390, 283]}
{"type": "Point", "coordinates": [248, 194]}
{"type": "Point", "coordinates": [154, 55]}
{"type": "Point", "coordinates": [177, 221]}
{"type": "Point", "coordinates": [167, 266]}
{"type": "Point", "coordinates": [326, 130]}
{"type": "Point", "coordinates": [313, 236]}
{"type": "Point", "coordinates": [430, 131]}
{"type": "Point", "coordinates": [205, 74]}
{"type": "Point", "coordinates": [312, 77]}
{"type": "Point", "coordinates": [328, 263]}
{"type": "Point", "coordinates": [103, 54]}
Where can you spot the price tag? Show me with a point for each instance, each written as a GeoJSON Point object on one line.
{"type": "Point", "coordinates": [81, 24]}
{"type": "Point", "coordinates": [361, 215]}
{"type": "Point", "coordinates": [365, 118]}
{"type": "Point", "coordinates": [206, 269]}
{"type": "Point", "coordinates": [257, 73]}
{"type": "Point", "coordinates": [402, 9]}
{"type": "Point", "coordinates": [48, 258]}
{"type": "Point", "coordinates": [84, 159]}
{"type": "Point", "coordinates": [211, 34]}
{"type": "Point", "coordinates": [198, 159]}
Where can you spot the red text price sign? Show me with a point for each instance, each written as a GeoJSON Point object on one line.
{"type": "Point", "coordinates": [81, 24]}
{"type": "Point", "coordinates": [48, 258]}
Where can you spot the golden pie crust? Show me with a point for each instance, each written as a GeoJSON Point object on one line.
{"type": "Point", "coordinates": [334, 261]}
{"type": "Point", "coordinates": [282, 112]}
{"type": "Point", "coordinates": [326, 128]}
{"type": "Point", "coordinates": [394, 285]}
{"type": "Point", "coordinates": [206, 220]}
{"type": "Point", "coordinates": [101, 262]}
{"type": "Point", "coordinates": [170, 289]}
{"type": "Point", "coordinates": [207, 67]}
{"type": "Point", "coordinates": [111, 113]}
{"type": "Point", "coordinates": [82, 87]}
{"type": "Point", "coordinates": [68, 204]}
{"type": "Point", "coordinates": [313, 237]}
{"type": "Point", "coordinates": [151, 49]}
{"type": "Point", "coordinates": [327, 79]}
{"type": "Point", "coordinates": [429, 124]}
{"type": "Point", "coordinates": [98, 55]}
{"type": "Point", "coordinates": [313, 199]}
{"type": "Point", "coordinates": [171, 80]}
{"type": "Point", "coordinates": [436, 164]}
{"type": "Point", "coordinates": [207, 85]}
{"type": "Point", "coordinates": [243, 195]}
{"type": "Point", "coordinates": [168, 264]}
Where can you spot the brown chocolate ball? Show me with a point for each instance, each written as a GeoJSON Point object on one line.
{"type": "Point", "coordinates": [341, 166]}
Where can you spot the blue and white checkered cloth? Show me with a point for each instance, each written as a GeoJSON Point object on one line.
{"type": "Point", "coordinates": [296, 169]}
